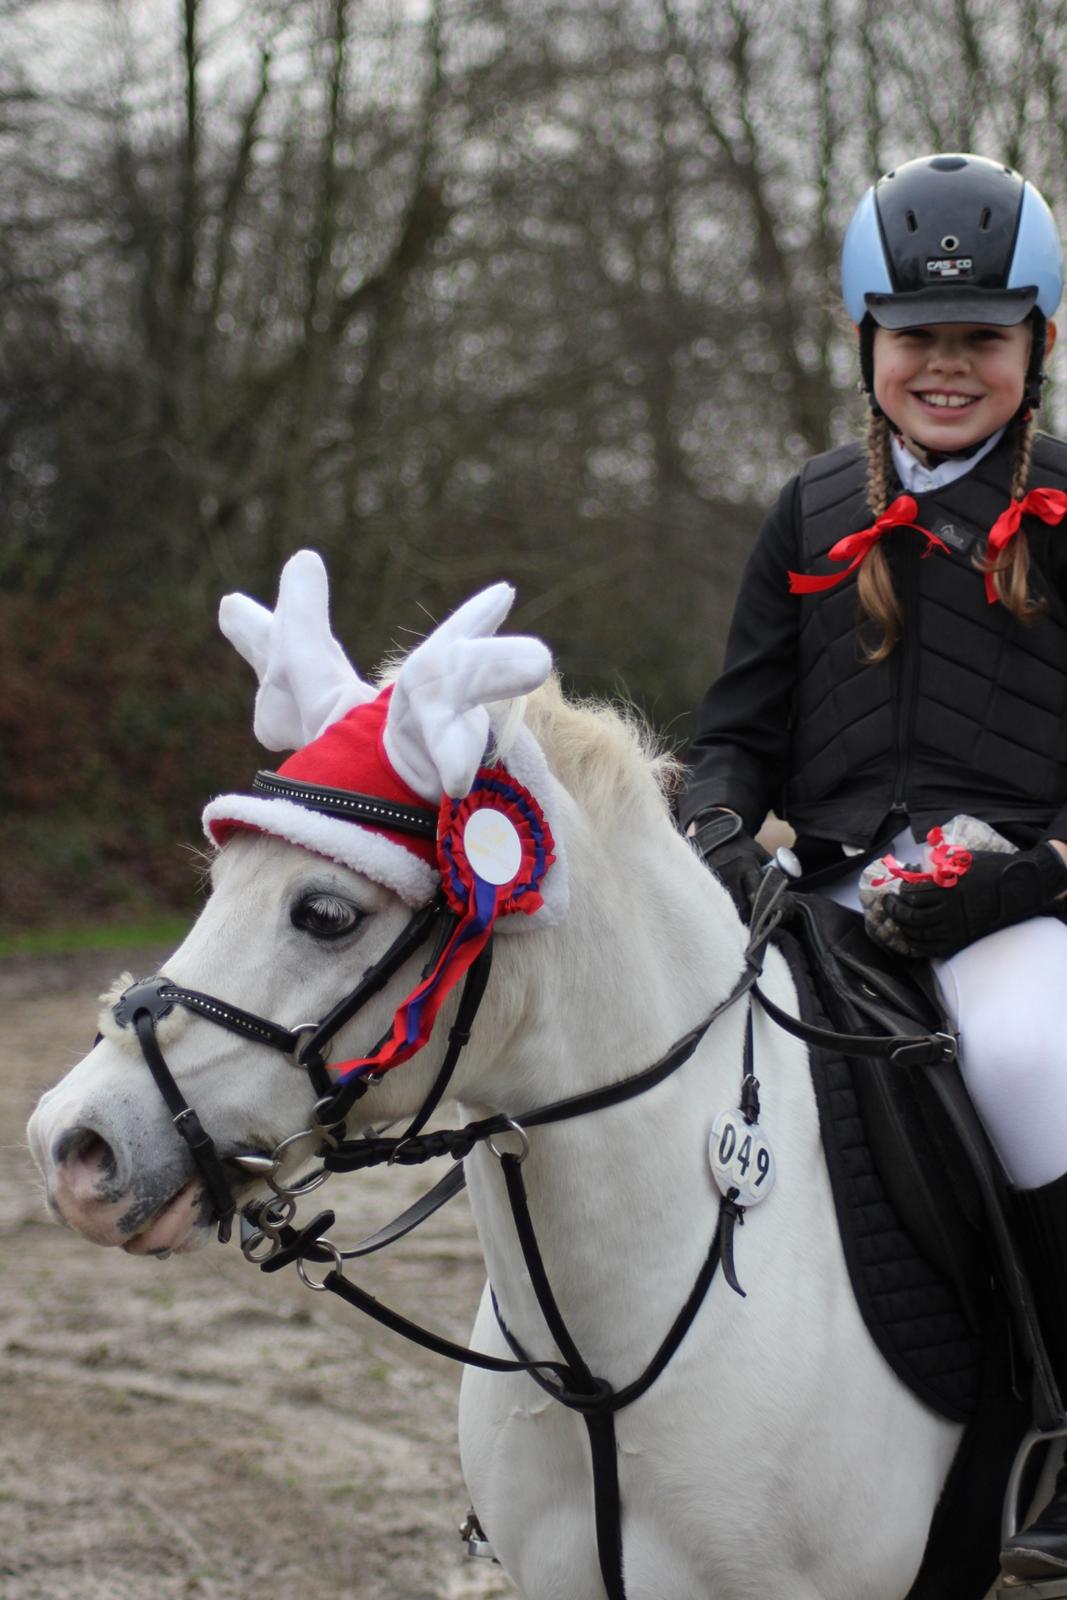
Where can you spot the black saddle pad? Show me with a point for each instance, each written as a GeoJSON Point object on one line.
{"type": "Point", "coordinates": [937, 1322]}
{"type": "Point", "coordinates": [915, 1314]}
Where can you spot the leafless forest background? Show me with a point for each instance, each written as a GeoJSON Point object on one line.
{"type": "Point", "coordinates": [447, 289]}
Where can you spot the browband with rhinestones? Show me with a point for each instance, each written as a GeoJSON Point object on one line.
{"type": "Point", "coordinates": [347, 804]}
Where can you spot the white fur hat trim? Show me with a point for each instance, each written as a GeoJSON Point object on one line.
{"type": "Point", "coordinates": [350, 844]}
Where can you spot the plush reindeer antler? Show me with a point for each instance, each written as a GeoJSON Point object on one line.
{"type": "Point", "coordinates": [306, 682]}
{"type": "Point", "coordinates": [438, 726]}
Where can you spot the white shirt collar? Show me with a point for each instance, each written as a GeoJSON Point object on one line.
{"type": "Point", "coordinates": [917, 479]}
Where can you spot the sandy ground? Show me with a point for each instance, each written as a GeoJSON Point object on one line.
{"type": "Point", "coordinates": [194, 1429]}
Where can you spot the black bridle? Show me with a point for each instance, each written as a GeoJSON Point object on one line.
{"type": "Point", "coordinates": [570, 1380]}
{"type": "Point", "coordinates": [145, 1003]}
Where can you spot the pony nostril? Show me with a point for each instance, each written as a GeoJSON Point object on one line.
{"type": "Point", "coordinates": [84, 1147]}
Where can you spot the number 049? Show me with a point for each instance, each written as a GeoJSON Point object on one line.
{"type": "Point", "coordinates": [741, 1158]}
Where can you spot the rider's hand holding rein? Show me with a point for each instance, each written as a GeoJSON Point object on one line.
{"type": "Point", "coordinates": [732, 854]}
{"type": "Point", "coordinates": [997, 891]}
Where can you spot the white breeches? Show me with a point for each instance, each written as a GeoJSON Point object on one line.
{"type": "Point", "coordinates": [1007, 996]}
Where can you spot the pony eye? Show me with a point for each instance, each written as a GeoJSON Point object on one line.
{"type": "Point", "coordinates": [325, 916]}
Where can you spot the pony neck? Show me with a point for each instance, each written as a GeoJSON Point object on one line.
{"type": "Point", "coordinates": [650, 945]}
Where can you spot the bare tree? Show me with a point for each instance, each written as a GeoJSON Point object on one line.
{"type": "Point", "coordinates": [451, 295]}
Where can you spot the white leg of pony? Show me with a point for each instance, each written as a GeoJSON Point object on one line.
{"type": "Point", "coordinates": [515, 1444]}
{"type": "Point", "coordinates": [1008, 997]}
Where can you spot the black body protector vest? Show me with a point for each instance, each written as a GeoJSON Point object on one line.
{"type": "Point", "coordinates": [969, 711]}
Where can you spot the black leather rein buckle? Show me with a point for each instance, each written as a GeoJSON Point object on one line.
{"type": "Point", "coordinates": [147, 994]}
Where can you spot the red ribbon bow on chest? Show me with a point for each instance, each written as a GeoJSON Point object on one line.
{"type": "Point", "coordinates": [901, 514]}
{"type": "Point", "coordinates": [1048, 504]}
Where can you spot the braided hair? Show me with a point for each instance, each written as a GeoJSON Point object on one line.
{"type": "Point", "coordinates": [1011, 568]}
{"type": "Point", "coordinates": [878, 599]}
{"type": "Point", "coordinates": [879, 603]}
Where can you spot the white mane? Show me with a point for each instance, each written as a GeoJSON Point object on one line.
{"type": "Point", "coordinates": [606, 755]}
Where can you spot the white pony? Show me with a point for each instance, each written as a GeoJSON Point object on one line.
{"type": "Point", "coordinates": [776, 1457]}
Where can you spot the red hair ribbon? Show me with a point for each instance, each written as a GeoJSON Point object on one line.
{"type": "Point", "coordinates": [901, 514]}
{"type": "Point", "coordinates": [1048, 504]}
{"type": "Point", "coordinates": [948, 863]}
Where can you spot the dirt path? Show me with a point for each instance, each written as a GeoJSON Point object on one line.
{"type": "Point", "coordinates": [192, 1430]}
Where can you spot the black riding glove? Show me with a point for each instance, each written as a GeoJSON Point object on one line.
{"type": "Point", "coordinates": [995, 892]}
{"type": "Point", "coordinates": [732, 854]}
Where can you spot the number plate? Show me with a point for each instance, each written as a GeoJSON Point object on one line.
{"type": "Point", "coordinates": [741, 1158]}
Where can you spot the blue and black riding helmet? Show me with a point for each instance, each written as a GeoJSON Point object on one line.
{"type": "Point", "coordinates": [952, 238]}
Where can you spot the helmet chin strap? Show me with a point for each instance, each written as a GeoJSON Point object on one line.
{"type": "Point", "coordinates": [1035, 370]}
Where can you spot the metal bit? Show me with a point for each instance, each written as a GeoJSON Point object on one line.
{"type": "Point", "coordinates": [256, 1162]}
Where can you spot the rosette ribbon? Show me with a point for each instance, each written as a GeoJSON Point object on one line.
{"type": "Point", "coordinates": [854, 546]}
{"type": "Point", "coordinates": [494, 847]}
{"type": "Point", "coordinates": [1048, 504]}
{"type": "Point", "coordinates": [948, 863]}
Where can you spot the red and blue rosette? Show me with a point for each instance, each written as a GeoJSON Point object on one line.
{"type": "Point", "coordinates": [494, 847]}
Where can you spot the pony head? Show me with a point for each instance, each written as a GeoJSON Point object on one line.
{"type": "Point", "coordinates": [407, 784]}
{"type": "Point", "coordinates": [427, 797]}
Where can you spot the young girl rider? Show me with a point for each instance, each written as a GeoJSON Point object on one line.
{"type": "Point", "coordinates": [898, 656]}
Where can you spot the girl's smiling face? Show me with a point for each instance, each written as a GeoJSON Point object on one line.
{"type": "Point", "coordinates": [949, 385]}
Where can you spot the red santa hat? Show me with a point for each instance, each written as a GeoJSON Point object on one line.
{"type": "Point", "coordinates": [341, 797]}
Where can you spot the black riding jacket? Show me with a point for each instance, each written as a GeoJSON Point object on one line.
{"type": "Point", "coordinates": [967, 714]}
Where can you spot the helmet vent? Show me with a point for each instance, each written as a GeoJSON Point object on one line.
{"type": "Point", "coordinates": [984, 219]}
{"type": "Point", "coordinates": [912, 221]}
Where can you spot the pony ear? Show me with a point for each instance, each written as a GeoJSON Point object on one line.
{"type": "Point", "coordinates": [306, 682]}
{"type": "Point", "coordinates": [437, 728]}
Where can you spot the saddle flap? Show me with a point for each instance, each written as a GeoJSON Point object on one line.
{"type": "Point", "coordinates": [914, 1147]}
{"type": "Point", "coordinates": [900, 996]}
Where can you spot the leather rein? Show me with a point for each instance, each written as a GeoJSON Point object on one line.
{"type": "Point", "coordinates": [570, 1381]}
